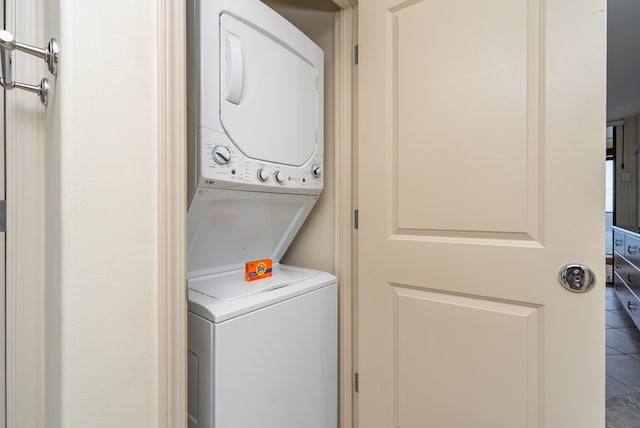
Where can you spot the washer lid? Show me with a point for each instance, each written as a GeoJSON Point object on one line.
{"type": "Point", "coordinates": [269, 94]}
{"type": "Point", "coordinates": [228, 304]}
{"type": "Point", "coordinates": [228, 228]}
{"type": "Point", "coordinates": [230, 286]}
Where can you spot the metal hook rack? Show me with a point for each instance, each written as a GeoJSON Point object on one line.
{"type": "Point", "coordinates": [49, 54]}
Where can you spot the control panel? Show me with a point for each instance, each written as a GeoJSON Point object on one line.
{"type": "Point", "coordinates": [224, 166]}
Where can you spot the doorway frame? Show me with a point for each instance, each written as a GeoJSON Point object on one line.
{"type": "Point", "coordinates": [24, 165]}
{"type": "Point", "coordinates": [172, 208]}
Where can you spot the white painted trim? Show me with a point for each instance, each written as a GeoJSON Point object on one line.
{"type": "Point", "coordinates": [172, 209]}
{"type": "Point", "coordinates": [343, 205]}
{"type": "Point", "coordinates": [25, 226]}
{"type": "Point", "coordinates": [346, 4]}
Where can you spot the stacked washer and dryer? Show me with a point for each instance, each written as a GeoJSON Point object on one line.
{"type": "Point", "coordinates": [262, 354]}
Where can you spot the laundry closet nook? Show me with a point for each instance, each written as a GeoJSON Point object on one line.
{"type": "Point", "coordinates": [262, 335]}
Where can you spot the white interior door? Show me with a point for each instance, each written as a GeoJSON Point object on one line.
{"type": "Point", "coordinates": [481, 126]}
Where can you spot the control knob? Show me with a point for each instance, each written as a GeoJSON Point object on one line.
{"type": "Point", "coordinates": [262, 175]}
{"type": "Point", "coordinates": [315, 170]}
{"type": "Point", "coordinates": [221, 154]}
{"type": "Point", "coordinates": [279, 176]}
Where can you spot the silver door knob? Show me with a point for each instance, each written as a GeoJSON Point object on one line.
{"type": "Point", "coordinates": [577, 278]}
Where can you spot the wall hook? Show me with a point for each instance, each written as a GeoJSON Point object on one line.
{"type": "Point", "coordinates": [49, 54]}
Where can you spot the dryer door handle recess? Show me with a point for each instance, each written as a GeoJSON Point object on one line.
{"type": "Point", "coordinates": [234, 69]}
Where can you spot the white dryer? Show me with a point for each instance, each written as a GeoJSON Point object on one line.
{"type": "Point", "coordinates": [256, 110]}
{"type": "Point", "coordinates": [261, 354]}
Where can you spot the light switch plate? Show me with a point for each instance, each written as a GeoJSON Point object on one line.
{"type": "Point", "coordinates": [626, 176]}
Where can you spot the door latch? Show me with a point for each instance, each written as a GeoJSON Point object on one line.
{"type": "Point", "coordinates": [49, 54]}
{"type": "Point", "coordinates": [577, 278]}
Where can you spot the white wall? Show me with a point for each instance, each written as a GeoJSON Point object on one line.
{"type": "Point", "coordinates": [101, 225]}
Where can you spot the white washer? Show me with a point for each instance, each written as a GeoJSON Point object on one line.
{"type": "Point", "coordinates": [261, 354]}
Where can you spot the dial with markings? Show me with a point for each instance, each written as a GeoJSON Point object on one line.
{"type": "Point", "coordinates": [221, 154]}
{"type": "Point", "coordinates": [262, 175]}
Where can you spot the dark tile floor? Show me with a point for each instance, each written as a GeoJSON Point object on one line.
{"type": "Point", "coordinates": [623, 367]}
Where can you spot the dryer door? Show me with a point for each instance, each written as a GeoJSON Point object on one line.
{"type": "Point", "coordinates": [269, 101]}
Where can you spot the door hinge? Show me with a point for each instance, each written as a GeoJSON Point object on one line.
{"type": "Point", "coordinates": [3, 216]}
{"type": "Point", "coordinates": [356, 382]}
{"type": "Point", "coordinates": [355, 218]}
{"type": "Point", "coordinates": [355, 54]}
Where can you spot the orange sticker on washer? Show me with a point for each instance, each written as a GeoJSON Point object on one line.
{"type": "Point", "coordinates": [257, 269]}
